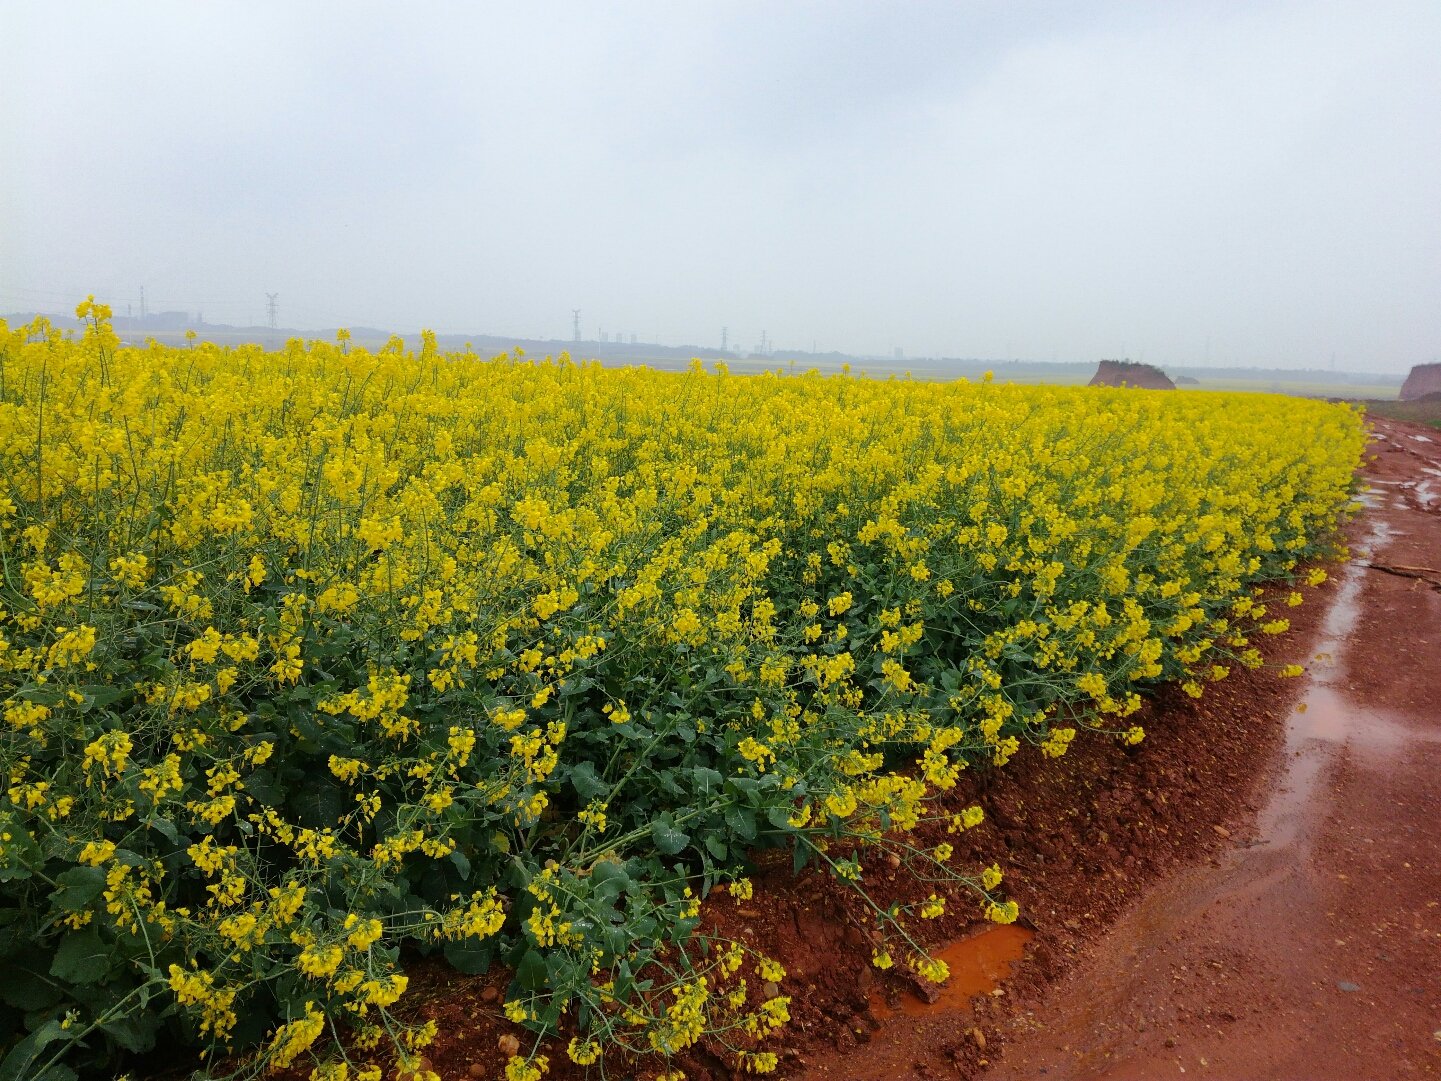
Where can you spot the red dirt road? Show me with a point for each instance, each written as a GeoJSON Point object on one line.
{"type": "Point", "coordinates": [1313, 949]}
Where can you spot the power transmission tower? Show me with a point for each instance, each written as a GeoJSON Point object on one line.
{"type": "Point", "coordinates": [575, 322]}
{"type": "Point", "coordinates": [142, 302]}
{"type": "Point", "coordinates": [272, 309]}
{"type": "Point", "coordinates": [725, 332]}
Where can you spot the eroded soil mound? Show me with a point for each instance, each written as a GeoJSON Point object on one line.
{"type": "Point", "coordinates": [1424, 379]}
{"type": "Point", "coordinates": [1130, 373]}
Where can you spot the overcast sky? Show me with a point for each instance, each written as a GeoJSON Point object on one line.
{"type": "Point", "coordinates": [1178, 182]}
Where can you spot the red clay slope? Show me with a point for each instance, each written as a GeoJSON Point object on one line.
{"type": "Point", "coordinates": [1424, 379]}
{"type": "Point", "coordinates": [1129, 373]}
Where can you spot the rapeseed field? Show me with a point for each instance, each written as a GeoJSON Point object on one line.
{"type": "Point", "coordinates": [312, 654]}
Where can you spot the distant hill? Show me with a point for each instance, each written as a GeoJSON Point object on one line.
{"type": "Point", "coordinates": [165, 328]}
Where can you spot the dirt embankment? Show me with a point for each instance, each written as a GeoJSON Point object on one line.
{"type": "Point", "coordinates": [1130, 373]}
{"type": "Point", "coordinates": [1422, 380]}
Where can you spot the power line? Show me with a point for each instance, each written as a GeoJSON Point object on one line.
{"type": "Point", "coordinates": [109, 297]}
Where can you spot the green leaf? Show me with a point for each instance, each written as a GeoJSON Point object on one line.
{"type": "Point", "coordinates": [624, 981]}
{"type": "Point", "coordinates": [610, 873]}
{"type": "Point", "coordinates": [165, 828]}
{"type": "Point", "coordinates": [101, 695]}
{"type": "Point", "coordinates": [78, 887]}
{"type": "Point", "coordinates": [21, 851]}
{"type": "Point", "coordinates": [742, 821]}
{"type": "Point", "coordinates": [747, 787]}
{"type": "Point", "coordinates": [706, 780]}
{"type": "Point", "coordinates": [321, 803]}
{"type": "Point", "coordinates": [716, 847]}
{"type": "Point", "coordinates": [26, 985]}
{"type": "Point", "coordinates": [531, 973]}
{"type": "Point", "coordinates": [668, 839]}
{"type": "Point", "coordinates": [135, 1031]}
{"type": "Point", "coordinates": [24, 1058]}
{"type": "Point", "coordinates": [632, 730]}
{"type": "Point", "coordinates": [585, 781]}
{"type": "Point", "coordinates": [800, 856]}
{"type": "Point", "coordinates": [82, 957]}
{"type": "Point", "coordinates": [42, 697]}
{"type": "Point", "coordinates": [15, 933]}
{"type": "Point", "coordinates": [576, 685]}
{"type": "Point", "coordinates": [266, 787]}
{"type": "Point", "coordinates": [469, 957]}
{"type": "Point", "coordinates": [779, 817]}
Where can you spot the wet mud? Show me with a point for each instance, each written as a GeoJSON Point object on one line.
{"type": "Point", "coordinates": [1312, 948]}
{"type": "Point", "coordinates": [978, 964]}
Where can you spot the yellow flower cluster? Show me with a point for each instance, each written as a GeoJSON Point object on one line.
{"type": "Point", "coordinates": [321, 617]}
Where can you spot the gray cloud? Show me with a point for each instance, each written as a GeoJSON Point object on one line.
{"type": "Point", "coordinates": [1244, 183]}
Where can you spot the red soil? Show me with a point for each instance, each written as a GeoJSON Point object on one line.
{"type": "Point", "coordinates": [1423, 379]}
{"type": "Point", "coordinates": [1130, 373]}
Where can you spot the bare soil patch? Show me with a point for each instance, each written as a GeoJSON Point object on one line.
{"type": "Point", "coordinates": [1130, 373]}
{"type": "Point", "coordinates": [1422, 380]}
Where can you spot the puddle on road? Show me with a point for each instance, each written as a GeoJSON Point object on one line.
{"type": "Point", "coordinates": [1330, 717]}
{"type": "Point", "coordinates": [1324, 716]}
{"type": "Point", "coordinates": [978, 964]}
{"type": "Point", "coordinates": [1327, 716]}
